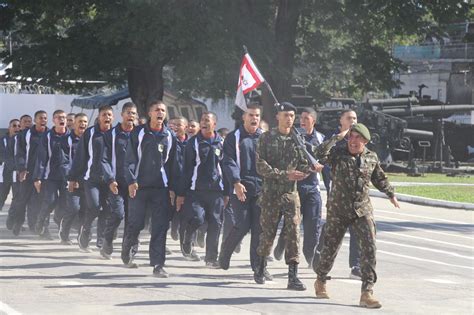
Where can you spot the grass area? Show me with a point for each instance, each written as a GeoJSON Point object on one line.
{"type": "Point", "coordinates": [430, 178]}
{"type": "Point", "coordinates": [445, 192]}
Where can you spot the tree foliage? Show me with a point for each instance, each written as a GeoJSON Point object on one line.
{"type": "Point", "coordinates": [336, 48]}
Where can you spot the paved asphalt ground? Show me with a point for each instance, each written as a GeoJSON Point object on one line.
{"type": "Point", "coordinates": [425, 266]}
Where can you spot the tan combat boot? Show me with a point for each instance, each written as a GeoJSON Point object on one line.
{"type": "Point", "coordinates": [320, 289]}
{"type": "Point", "coordinates": [368, 300]}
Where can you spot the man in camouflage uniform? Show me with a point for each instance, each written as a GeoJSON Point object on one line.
{"type": "Point", "coordinates": [281, 163]}
{"type": "Point", "coordinates": [353, 168]}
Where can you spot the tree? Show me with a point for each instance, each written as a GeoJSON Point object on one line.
{"type": "Point", "coordinates": [103, 40]}
{"type": "Point", "coordinates": [333, 47]}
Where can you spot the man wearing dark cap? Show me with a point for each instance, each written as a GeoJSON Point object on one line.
{"type": "Point", "coordinates": [281, 163]}
{"type": "Point", "coordinates": [353, 168]}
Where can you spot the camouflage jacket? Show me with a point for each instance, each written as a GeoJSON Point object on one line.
{"type": "Point", "coordinates": [351, 178]}
{"type": "Point", "coordinates": [276, 155]}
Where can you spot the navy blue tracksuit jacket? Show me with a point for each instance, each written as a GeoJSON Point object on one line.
{"type": "Point", "coordinates": [150, 156]}
{"type": "Point", "coordinates": [116, 141]}
{"type": "Point", "coordinates": [311, 183]}
{"type": "Point", "coordinates": [202, 165]}
{"type": "Point", "coordinates": [88, 162]}
{"type": "Point", "coordinates": [7, 162]}
{"type": "Point", "coordinates": [27, 149]}
{"type": "Point", "coordinates": [54, 156]}
{"type": "Point", "coordinates": [239, 162]}
{"type": "Point", "coordinates": [177, 168]}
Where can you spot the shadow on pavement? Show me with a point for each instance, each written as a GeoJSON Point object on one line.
{"type": "Point", "coordinates": [237, 301]}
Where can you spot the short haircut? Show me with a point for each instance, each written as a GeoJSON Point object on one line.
{"type": "Point", "coordinates": [80, 115]}
{"type": "Point", "coordinates": [311, 112]}
{"type": "Point", "coordinates": [214, 115]}
{"type": "Point", "coordinates": [103, 108]}
{"type": "Point", "coordinates": [346, 111]}
{"type": "Point", "coordinates": [223, 131]}
{"type": "Point", "coordinates": [71, 114]}
{"type": "Point", "coordinates": [12, 121]}
{"type": "Point", "coordinates": [58, 111]}
{"type": "Point", "coordinates": [25, 116]}
{"type": "Point", "coordinates": [153, 103]}
{"type": "Point", "coordinates": [182, 118]}
{"type": "Point", "coordinates": [193, 121]}
{"type": "Point", "coordinates": [254, 105]}
{"type": "Point", "coordinates": [127, 106]}
{"type": "Point", "coordinates": [39, 113]}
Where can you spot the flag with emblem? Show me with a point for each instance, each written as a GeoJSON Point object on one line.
{"type": "Point", "coordinates": [249, 79]}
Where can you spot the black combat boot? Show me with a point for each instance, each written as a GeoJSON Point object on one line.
{"type": "Point", "coordinates": [259, 273]}
{"type": "Point", "coordinates": [293, 282]}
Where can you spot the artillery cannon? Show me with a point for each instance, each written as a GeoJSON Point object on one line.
{"type": "Point", "coordinates": [431, 118]}
{"type": "Point", "coordinates": [398, 124]}
{"type": "Point", "coordinates": [389, 133]}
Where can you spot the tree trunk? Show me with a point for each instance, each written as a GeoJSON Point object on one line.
{"type": "Point", "coordinates": [286, 24]}
{"type": "Point", "coordinates": [145, 85]}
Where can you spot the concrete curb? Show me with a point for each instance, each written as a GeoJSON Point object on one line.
{"type": "Point", "coordinates": [426, 201]}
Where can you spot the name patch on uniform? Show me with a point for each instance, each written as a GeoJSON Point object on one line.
{"type": "Point", "coordinates": [161, 147]}
{"type": "Point", "coordinates": [218, 152]}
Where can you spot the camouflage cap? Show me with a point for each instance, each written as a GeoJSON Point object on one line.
{"type": "Point", "coordinates": [286, 107]}
{"type": "Point", "coordinates": [362, 130]}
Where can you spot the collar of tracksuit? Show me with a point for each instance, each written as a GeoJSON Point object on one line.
{"type": "Point", "coordinates": [161, 132]}
{"type": "Point", "coordinates": [244, 132]}
{"type": "Point", "coordinates": [216, 139]}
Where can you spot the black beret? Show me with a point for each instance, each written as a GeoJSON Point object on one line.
{"type": "Point", "coordinates": [286, 107]}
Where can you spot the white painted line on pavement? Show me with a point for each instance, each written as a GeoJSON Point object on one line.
{"type": "Point", "coordinates": [442, 281]}
{"type": "Point", "coordinates": [5, 308]}
{"type": "Point", "coordinates": [68, 283]}
{"type": "Point", "coordinates": [426, 239]}
{"type": "Point", "coordinates": [424, 230]}
{"type": "Point", "coordinates": [423, 259]}
{"type": "Point", "coordinates": [423, 217]}
{"type": "Point", "coordinates": [426, 249]}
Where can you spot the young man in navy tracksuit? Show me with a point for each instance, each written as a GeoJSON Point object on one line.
{"type": "Point", "coordinates": [201, 188]}
{"type": "Point", "coordinates": [75, 200]}
{"type": "Point", "coordinates": [25, 160]}
{"type": "Point", "coordinates": [239, 166]}
{"type": "Point", "coordinates": [150, 155]}
{"type": "Point", "coordinates": [25, 123]}
{"type": "Point", "coordinates": [181, 124]}
{"type": "Point", "coordinates": [7, 162]}
{"type": "Point", "coordinates": [52, 166]}
{"type": "Point", "coordinates": [116, 142]}
{"type": "Point", "coordinates": [88, 166]}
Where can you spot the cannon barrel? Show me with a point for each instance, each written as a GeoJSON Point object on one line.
{"type": "Point", "coordinates": [433, 110]}
{"type": "Point", "coordinates": [418, 134]}
{"type": "Point", "coordinates": [405, 101]}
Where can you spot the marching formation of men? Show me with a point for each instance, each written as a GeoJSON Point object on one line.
{"type": "Point", "coordinates": [188, 176]}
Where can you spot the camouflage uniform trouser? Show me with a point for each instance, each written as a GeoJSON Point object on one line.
{"type": "Point", "coordinates": [273, 206]}
{"type": "Point", "coordinates": [335, 228]}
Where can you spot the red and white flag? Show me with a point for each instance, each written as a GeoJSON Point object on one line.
{"type": "Point", "coordinates": [249, 79]}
